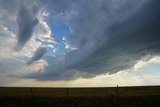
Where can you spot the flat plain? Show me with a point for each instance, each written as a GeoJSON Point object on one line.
{"type": "Point", "coordinates": [144, 96]}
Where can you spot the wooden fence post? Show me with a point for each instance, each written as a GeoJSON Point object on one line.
{"type": "Point", "coordinates": [117, 92]}
{"type": "Point", "coordinates": [67, 99]}
{"type": "Point", "coordinates": [32, 92]}
{"type": "Point", "coordinates": [67, 92]}
{"type": "Point", "coordinates": [117, 96]}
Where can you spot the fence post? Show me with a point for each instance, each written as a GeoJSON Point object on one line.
{"type": "Point", "coordinates": [117, 96]}
{"type": "Point", "coordinates": [67, 99]}
{"type": "Point", "coordinates": [32, 92]}
{"type": "Point", "coordinates": [117, 92]}
{"type": "Point", "coordinates": [67, 92]}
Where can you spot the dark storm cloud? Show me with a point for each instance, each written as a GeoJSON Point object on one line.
{"type": "Point", "coordinates": [131, 40]}
{"type": "Point", "coordinates": [116, 43]}
{"type": "Point", "coordinates": [26, 22]}
{"type": "Point", "coordinates": [37, 55]}
{"type": "Point", "coordinates": [11, 8]}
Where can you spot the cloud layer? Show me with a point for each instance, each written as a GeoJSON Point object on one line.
{"type": "Point", "coordinates": [106, 36]}
{"type": "Point", "coordinates": [109, 36]}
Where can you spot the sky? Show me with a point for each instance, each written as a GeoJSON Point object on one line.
{"type": "Point", "coordinates": [79, 43]}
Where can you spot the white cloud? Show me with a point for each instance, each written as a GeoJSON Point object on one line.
{"type": "Point", "coordinates": [13, 63]}
{"type": "Point", "coordinates": [139, 66]}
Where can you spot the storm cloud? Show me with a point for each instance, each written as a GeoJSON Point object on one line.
{"type": "Point", "coordinates": [37, 55]}
{"type": "Point", "coordinates": [130, 40]}
{"type": "Point", "coordinates": [104, 36]}
{"type": "Point", "coordinates": [26, 22]}
{"type": "Point", "coordinates": [110, 39]}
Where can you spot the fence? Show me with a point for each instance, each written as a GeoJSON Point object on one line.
{"type": "Point", "coordinates": [80, 92]}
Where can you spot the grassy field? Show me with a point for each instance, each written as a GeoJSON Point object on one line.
{"type": "Point", "coordinates": [144, 96]}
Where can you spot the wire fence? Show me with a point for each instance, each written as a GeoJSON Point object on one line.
{"type": "Point", "coordinates": [80, 92]}
{"type": "Point", "coordinates": [75, 96]}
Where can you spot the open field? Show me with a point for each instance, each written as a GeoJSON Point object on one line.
{"type": "Point", "coordinates": [80, 97]}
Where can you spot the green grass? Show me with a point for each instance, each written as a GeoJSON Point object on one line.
{"type": "Point", "coordinates": [147, 96]}
{"type": "Point", "coordinates": [79, 92]}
